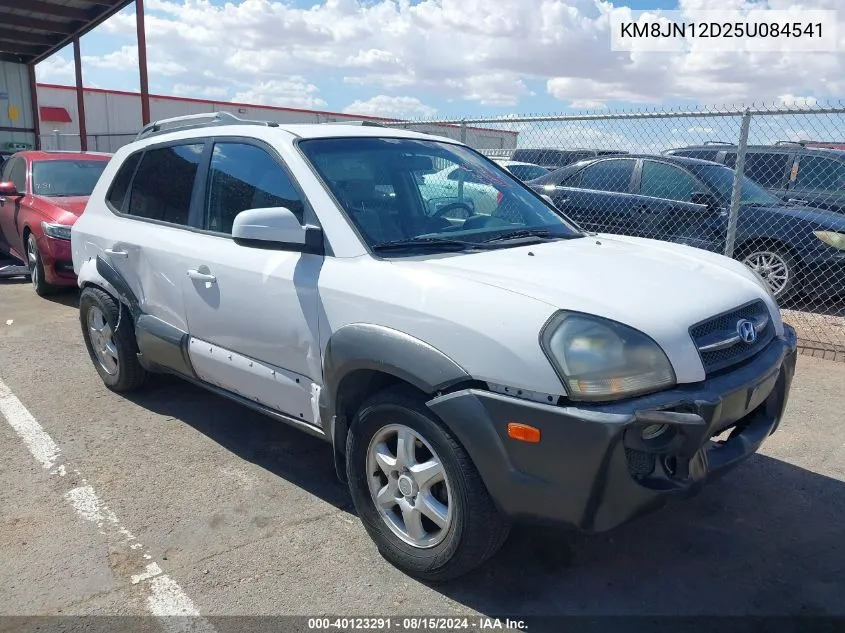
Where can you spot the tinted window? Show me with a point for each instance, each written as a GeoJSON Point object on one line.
{"type": "Point", "coordinates": [164, 182]}
{"type": "Point", "coordinates": [767, 168]}
{"type": "Point", "coordinates": [120, 186]}
{"type": "Point", "coordinates": [245, 177]}
{"type": "Point", "coordinates": [462, 174]}
{"type": "Point", "coordinates": [660, 180]}
{"type": "Point", "coordinates": [608, 175]}
{"type": "Point", "coordinates": [16, 173]}
{"type": "Point", "coordinates": [66, 177]}
{"type": "Point", "coordinates": [815, 172]}
{"type": "Point", "coordinates": [527, 172]}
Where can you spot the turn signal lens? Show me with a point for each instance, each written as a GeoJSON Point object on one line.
{"type": "Point", "coordinates": [523, 432]}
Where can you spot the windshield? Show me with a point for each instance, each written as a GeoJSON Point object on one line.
{"type": "Point", "coordinates": [527, 172]}
{"type": "Point", "coordinates": [721, 180]}
{"type": "Point", "coordinates": [66, 177]}
{"type": "Point", "coordinates": [395, 190]}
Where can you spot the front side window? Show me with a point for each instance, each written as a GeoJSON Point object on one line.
{"type": "Point", "coordinates": [64, 178]}
{"type": "Point", "coordinates": [241, 177]}
{"type": "Point", "coordinates": [393, 190]}
{"type": "Point", "coordinates": [660, 180]}
{"type": "Point", "coordinates": [607, 175]}
{"type": "Point", "coordinates": [15, 172]}
{"type": "Point", "coordinates": [164, 183]}
{"type": "Point", "coordinates": [815, 172]}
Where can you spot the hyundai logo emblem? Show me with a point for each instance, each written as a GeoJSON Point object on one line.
{"type": "Point", "coordinates": [746, 330]}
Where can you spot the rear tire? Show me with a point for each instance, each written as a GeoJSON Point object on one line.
{"type": "Point", "coordinates": [110, 339]}
{"type": "Point", "coordinates": [36, 269]}
{"type": "Point", "coordinates": [470, 529]}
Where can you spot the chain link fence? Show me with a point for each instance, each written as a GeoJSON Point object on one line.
{"type": "Point", "coordinates": [765, 186]}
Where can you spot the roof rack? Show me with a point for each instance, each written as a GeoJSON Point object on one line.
{"type": "Point", "coordinates": [363, 123]}
{"type": "Point", "coordinates": [191, 121]}
{"type": "Point", "coordinates": [798, 143]}
{"type": "Point", "coordinates": [717, 143]}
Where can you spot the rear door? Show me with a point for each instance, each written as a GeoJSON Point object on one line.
{"type": "Point", "coordinates": [664, 209]}
{"type": "Point", "coordinates": [819, 182]}
{"type": "Point", "coordinates": [144, 238]}
{"type": "Point", "coordinates": [598, 197]}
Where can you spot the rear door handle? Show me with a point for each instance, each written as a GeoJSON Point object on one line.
{"type": "Point", "coordinates": [798, 201]}
{"type": "Point", "coordinates": [117, 254]}
{"type": "Point", "coordinates": [196, 275]}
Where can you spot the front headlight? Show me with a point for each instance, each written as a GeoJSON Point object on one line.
{"type": "Point", "coordinates": [831, 238]}
{"type": "Point", "coordinates": [59, 231]}
{"type": "Point", "coordinates": [599, 359]}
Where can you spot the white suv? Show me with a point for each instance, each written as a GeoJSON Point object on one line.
{"type": "Point", "coordinates": [468, 369]}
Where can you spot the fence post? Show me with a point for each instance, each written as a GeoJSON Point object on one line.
{"type": "Point", "coordinates": [736, 193]}
{"type": "Point", "coordinates": [460, 176]}
{"type": "Point", "coordinates": [57, 139]}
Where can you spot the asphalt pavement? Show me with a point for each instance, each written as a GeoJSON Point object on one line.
{"type": "Point", "coordinates": [176, 498]}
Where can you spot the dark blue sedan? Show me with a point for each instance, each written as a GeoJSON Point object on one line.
{"type": "Point", "coordinates": [684, 200]}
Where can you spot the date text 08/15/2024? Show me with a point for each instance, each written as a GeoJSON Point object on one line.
{"type": "Point", "coordinates": [415, 623]}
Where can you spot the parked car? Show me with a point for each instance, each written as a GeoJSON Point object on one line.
{"type": "Point", "coordinates": [802, 172]}
{"type": "Point", "coordinates": [686, 200]}
{"type": "Point", "coordinates": [467, 372]}
{"type": "Point", "coordinates": [556, 158]}
{"type": "Point", "coordinates": [41, 196]}
{"type": "Point", "coordinates": [522, 170]}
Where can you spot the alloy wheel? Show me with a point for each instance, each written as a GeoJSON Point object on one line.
{"type": "Point", "coordinates": [102, 340]}
{"type": "Point", "coordinates": [772, 267]}
{"type": "Point", "coordinates": [408, 486]}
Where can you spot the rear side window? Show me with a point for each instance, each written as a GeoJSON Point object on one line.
{"type": "Point", "coordinates": [815, 172]}
{"type": "Point", "coordinates": [120, 185]}
{"type": "Point", "coordinates": [767, 168]}
{"type": "Point", "coordinates": [244, 176]}
{"type": "Point", "coordinates": [607, 175]}
{"type": "Point", "coordinates": [164, 183]}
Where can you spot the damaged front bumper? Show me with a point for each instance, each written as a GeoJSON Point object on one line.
{"type": "Point", "coordinates": [598, 466]}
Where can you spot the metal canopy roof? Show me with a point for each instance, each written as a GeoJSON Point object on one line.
{"type": "Point", "coordinates": [32, 30]}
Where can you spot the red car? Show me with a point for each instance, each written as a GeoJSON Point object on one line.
{"type": "Point", "coordinates": [41, 196]}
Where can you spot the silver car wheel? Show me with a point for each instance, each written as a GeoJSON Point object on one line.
{"type": "Point", "coordinates": [102, 340]}
{"type": "Point", "coordinates": [772, 267]}
{"type": "Point", "coordinates": [408, 486]}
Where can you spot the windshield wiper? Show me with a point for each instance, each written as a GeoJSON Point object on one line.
{"type": "Point", "coordinates": [524, 233]}
{"type": "Point", "coordinates": [427, 242]}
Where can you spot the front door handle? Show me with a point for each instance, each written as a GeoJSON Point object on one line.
{"type": "Point", "coordinates": [117, 254]}
{"type": "Point", "coordinates": [197, 275]}
{"type": "Point", "coordinates": [797, 201]}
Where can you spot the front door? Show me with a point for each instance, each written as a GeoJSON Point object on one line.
{"type": "Point", "coordinates": [252, 312]}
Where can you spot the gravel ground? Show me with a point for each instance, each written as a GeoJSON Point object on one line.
{"type": "Point", "coordinates": [246, 515]}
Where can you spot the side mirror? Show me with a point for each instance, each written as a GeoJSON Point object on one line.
{"type": "Point", "coordinates": [548, 199]}
{"type": "Point", "coordinates": [276, 228]}
{"type": "Point", "coordinates": [707, 199]}
{"type": "Point", "coordinates": [8, 189]}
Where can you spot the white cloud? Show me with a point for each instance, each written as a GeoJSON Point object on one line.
{"type": "Point", "coordinates": [796, 101]}
{"type": "Point", "coordinates": [478, 51]}
{"type": "Point", "coordinates": [392, 107]}
{"type": "Point", "coordinates": [192, 90]}
{"type": "Point", "coordinates": [291, 92]}
{"type": "Point", "coordinates": [56, 69]}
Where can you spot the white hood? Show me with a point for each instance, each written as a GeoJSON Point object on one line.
{"type": "Point", "coordinates": [656, 287]}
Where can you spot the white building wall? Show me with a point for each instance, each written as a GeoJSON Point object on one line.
{"type": "Point", "coordinates": [114, 118]}
{"type": "Point", "coordinates": [15, 105]}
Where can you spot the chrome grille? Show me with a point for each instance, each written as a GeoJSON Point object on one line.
{"type": "Point", "coordinates": [719, 342]}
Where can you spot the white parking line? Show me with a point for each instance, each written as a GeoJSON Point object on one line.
{"type": "Point", "coordinates": [164, 596]}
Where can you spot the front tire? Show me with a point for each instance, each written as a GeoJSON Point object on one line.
{"type": "Point", "coordinates": [417, 491]}
{"type": "Point", "coordinates": [36, 268]}
{"type": "Point", "coordinates": [109, 337]}
{"type": "Point", "coordinates": [776, 266]}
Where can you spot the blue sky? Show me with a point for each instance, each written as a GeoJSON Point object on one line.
{"type": "Point", "coordinates": [424, 58]}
